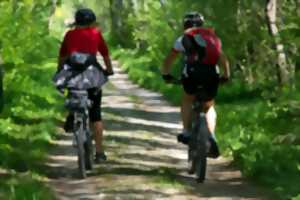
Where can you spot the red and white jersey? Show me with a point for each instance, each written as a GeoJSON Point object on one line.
{"type": "Point", "coordinates": [85, 40]}
{"type": "Point", "coordinates": [212, 44]}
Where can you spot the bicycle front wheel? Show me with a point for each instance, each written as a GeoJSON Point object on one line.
{"type": "Point", "coordinates": [200, 164]}
{"type": "Point", "coordinates": [201, 150]}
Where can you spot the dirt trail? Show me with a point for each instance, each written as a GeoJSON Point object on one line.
{"type": "Point", "coordinates": [144, 159]}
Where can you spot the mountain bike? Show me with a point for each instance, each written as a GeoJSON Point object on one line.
{"type": "Point", "coordinates": [198, 141]}
{"type": "Point", "coordinates": [198, 144]}
{"type": "Point", "coordinates": [78, 104]}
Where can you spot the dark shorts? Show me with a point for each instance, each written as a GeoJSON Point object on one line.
{"type": "Point", "coordinates": [202, 81]}
{"type": "Point", "coordinates": [95, 110]}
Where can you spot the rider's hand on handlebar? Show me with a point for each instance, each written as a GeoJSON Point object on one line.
{"type": "Point", "coordinates": [168, 78]}
{"type": "Point", "coordinates": [108, 73]}
{"type": "Point", "coordinates": [61, 91]}
{"type": "Point", "coordinates": [223, 79]}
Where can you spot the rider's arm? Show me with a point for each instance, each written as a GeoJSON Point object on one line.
{"type": "Point", "coordinates": [60, 61]}
{"type": "Point", "coordinates": [224, 63]}
{"type": "Point", "coordinates": [108, 64]}
{"type": "Point", "coordinates": [103, 49]}
{"type": "Point", "coordinates": [177, 48]}
{"type": "Point", "coordinates": [166, 68]}
{"type": "Point", "coordinates": [62, 52]}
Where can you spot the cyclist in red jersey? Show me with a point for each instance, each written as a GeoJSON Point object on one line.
{"type": "Point", "coordinates": [86, 38]}
{"type": "Point", "coordinates": [200, 68]}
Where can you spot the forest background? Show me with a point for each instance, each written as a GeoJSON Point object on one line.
{"type": "Point", "coordinates": [259, 110]}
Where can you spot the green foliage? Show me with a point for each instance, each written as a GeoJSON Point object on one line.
{"type": "Point", "coordinates": [1, 90]}
{"type": "Point", "coordinates": [252, 56]}
{"type": "Point", "coordinates": [27, 125]}
{"type": "Point", "coordinates": [25, 187]}
{"type": "Point", "coordinates": [290, 31]}
{"type": "Point", "coordinates": [24, 31]}
{"type": "Point", "coordinates": [296, 198]}
{"type": "Point", "coordinates": [27, 121]}
{"type": "Point", "coordinates": [64, 15]}
{"type": "Point", "coordinates": [257, 127]}
{"type": "Point", "coordinates": [262, 137]}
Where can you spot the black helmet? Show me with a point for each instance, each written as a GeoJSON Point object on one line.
{"type": "Point", "coordinates": [193, 19]}
{"type": "Point", "coordinates": [84, 16]}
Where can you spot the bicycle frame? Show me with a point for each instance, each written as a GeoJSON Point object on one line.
{"type": "Point", "coordinates": [199, 140]}
{"type": "Point", "coordinates": [197, 152]}
{"type": "Point", "coordinates": [78, 103]}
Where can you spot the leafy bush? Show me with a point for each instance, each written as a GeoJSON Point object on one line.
{"type": "Point", "coordinates": [27, 124]}
{"type": "Point", "coordinates": [29, 188]}
{"type": "Point", "coordinates": [27, 121]}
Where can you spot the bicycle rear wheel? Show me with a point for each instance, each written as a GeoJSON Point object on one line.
{"type": "Point", "coordinates": [191, 160]}
{"type": "Point", "coordinates": [81, 151]}
{"type": "Point", "coordinates": [88, 150]}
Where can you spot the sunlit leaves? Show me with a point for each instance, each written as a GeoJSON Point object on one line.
{"type": "Point", "coordinates": [23, 30]}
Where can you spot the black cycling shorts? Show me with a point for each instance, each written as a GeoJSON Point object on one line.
{"type": "Point", "coordinates": [95, 110]}
{"type": "Point", "coordinates": [202, 81]}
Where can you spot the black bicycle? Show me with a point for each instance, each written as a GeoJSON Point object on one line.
{"type": "Point", "coordinates": [78, 104]}
{"type": "Point", "coordinates": [198, 141]}
{"type": "Point", "coordinates": [198, 144]}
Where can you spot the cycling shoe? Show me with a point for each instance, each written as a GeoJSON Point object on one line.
{"type": "Point", "coordinates": [183, 138]}
{"type": "Point", "coordinates": [214, 149]}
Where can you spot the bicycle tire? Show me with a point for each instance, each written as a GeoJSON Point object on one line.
{"type": "Point", "coordinates": [81, 152]}
{"type": "Point", "coordinates": [201, 150]}
{"type": "Point", "coordinates": [200, 165]}
{"type": "Point", "coordinates": [191, 160]}
{"type": "Point", "coordinates": [192, 146]}
{"type": "Point", "coordinates": [88, 150]}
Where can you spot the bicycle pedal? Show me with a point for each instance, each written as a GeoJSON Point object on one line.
{"type": "Point", "coordinates": [199, 180]}
{"type": "Point", "coordinates": [191, 171]}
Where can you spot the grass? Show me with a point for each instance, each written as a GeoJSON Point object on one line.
{"type": "Point", "coordinates": [248, 131]}
{"type": "Point", "coordinates": [24, 187]}
{"type": "Point", "coordinates": [31, 111]}
{"type": "Point", "coordinates": [159, 177]}
{"type": "Point", "coordinates": [136, 100]}
{"type": "Point", "coordinates": [167, 178]}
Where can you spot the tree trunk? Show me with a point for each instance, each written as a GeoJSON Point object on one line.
{"type": "Point", "coordinates": [1, 86]}
{"type": "Point", "coordinates": [14, 4]}
{"type": "Point", "coordinates": [298, 7]}
{"type": "Point", "coordinates": [116, 7]}
{"type": "Point", "coordinates": [162, 3]}
{"type": "Point", "coordinates": [52, 12]}
{"type": "Point", "coordinates": [141, 4]}
{"type": "Point", "coordinates": [283, 73]}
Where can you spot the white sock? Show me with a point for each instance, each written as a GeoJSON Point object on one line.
{"type": "Point", "coordinates": [214, 136]}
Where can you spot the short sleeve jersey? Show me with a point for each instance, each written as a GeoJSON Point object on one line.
{"type": "Point", "coordinates": [178, 47]}
{"type": "Point", "coordinates": [213, 48]}
{"type": "Point", "coordinates": [85, 40]}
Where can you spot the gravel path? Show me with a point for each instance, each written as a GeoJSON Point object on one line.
{"type": "Point", "coordinates": [144, 159]}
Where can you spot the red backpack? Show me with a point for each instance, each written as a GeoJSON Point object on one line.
{"type": "Point", "coordinates": [202, 46]}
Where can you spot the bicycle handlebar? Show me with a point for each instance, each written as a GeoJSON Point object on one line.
{"type": "Point", "coordinates": [169, 79]}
